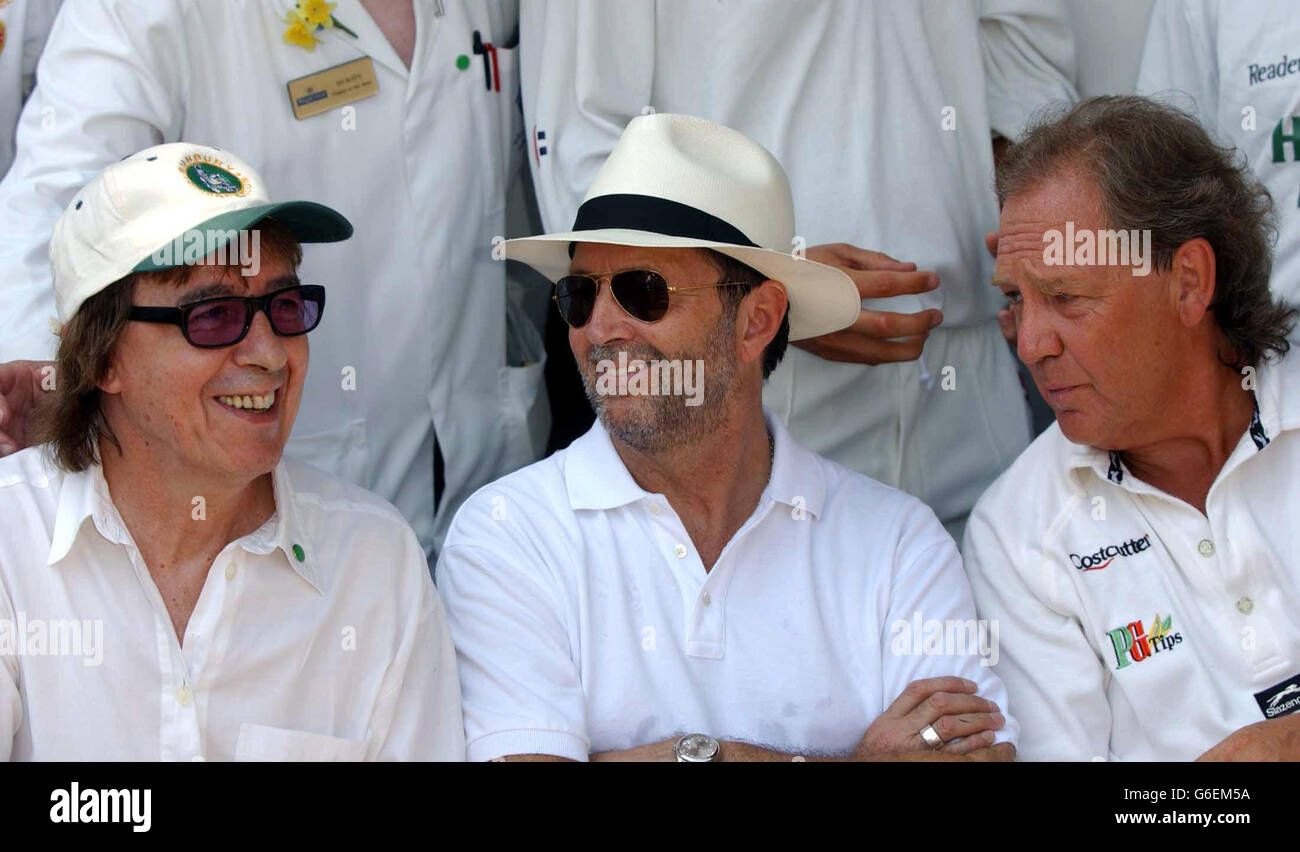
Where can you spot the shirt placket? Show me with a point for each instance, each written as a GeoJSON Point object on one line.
{"type": "Point", "coordinates": [1236, 561]}
{"type": "Point", "coordinates": [183, 677]}
{"type": "Point", "coordinates": [1217, 571]}
{"type": "Point", "coordinates": [703, 593]}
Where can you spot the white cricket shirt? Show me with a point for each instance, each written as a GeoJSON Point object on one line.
{"type": "Point", "coordinates": [1133, 627]}
{"type": "Point", "coordinates": [1236, 68]}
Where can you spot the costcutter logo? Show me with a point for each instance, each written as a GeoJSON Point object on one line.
{"type": "Point", "coordinates": [1133, 644]}
{"type": "Point", "coordinates": [1106, 555]}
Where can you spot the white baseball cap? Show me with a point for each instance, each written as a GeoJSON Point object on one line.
{"type": "Point", "coordinates": [127, 214]}
{"type": "Point", "coordinates": [676, 181]}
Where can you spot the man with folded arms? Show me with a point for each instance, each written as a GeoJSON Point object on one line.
{"type": "Point", "coordinates": [1141, 556]}
{"type": "Point", "coordinates": [685, 582]}
{"type": "Point", "coordinates": [212, 601]}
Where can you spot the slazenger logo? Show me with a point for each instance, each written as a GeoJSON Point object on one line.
{"type": "Point", "coordinates": [1134, 643]}
{"type": "Point", "coordinates": [1280, 699]}
{"type": "Point", "coordinates": [1106, 555]}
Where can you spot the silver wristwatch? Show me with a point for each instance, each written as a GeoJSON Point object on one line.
{"type": "Point", "coordinates": [697, 748]}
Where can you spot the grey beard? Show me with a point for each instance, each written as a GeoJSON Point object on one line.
{"type": "Point", "coordinates": [657, 424]}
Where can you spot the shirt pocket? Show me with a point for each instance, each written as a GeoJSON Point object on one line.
{"type": "Point", "coordinates": [265, 743]}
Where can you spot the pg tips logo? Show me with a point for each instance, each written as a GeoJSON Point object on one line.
{"type": "Point", "coordinates": [1133, 643]}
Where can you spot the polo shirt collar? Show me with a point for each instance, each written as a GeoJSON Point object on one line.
{"type": "Point", "coordinates": [84, 495]}
{"type": "Point", "coordinates": [798, 479]}
{"type": "Point", "coordinates": [596, 478]}
{"type": "Point", "coordinates": [1278, 395]}
{"type": "Point", "coordinates": [594, 475]}
{"type": "Point", "coordinates": [1275, 412]}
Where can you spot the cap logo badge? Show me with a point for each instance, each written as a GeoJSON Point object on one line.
{"type": "Point", "coordinates": [213, 176]}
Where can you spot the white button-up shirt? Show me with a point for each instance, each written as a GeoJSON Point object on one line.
{"type": "Point", "coordinates": [1133, 626]}
{"type": "Point", "coordinates": [318, 636]}
{"type": "Point", "coordinates": [584, 620]}
{"type": "Point", "coordinates": [414, 341]}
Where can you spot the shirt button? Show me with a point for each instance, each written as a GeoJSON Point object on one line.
{"type": "Point", "coordinates": [654, 509]}
{"type": "Point", "coordinates": [184, 696]}
{"type": "Point", "coordinates": [1206, 547]}
{"type": "Point", "coordinates": [230, 571]}
{"type": "Point", "coordinates": [1245, 605]}
{"type": "Point", "coordinates": [680, 550]}
{"type": "Point", "coordinates": [707, 600]}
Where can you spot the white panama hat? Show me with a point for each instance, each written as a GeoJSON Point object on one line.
{"type": "Point", "coordinates": [675, 181]}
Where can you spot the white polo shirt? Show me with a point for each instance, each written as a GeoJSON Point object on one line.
{"type": "Point", "coordinates": [318, 636]}
{"type": "Point", "coordinates": [584, 620]}
{"type": "Point", "coordinates": [1077, 559]}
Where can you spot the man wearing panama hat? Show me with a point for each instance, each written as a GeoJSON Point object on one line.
{"type": "Point", "coordinates": [685, 582]}
{"type": "Point", "coordinates": [170, 587]}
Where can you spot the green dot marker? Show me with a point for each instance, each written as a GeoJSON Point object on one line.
{"type": "Point", "coordinates": [297, 551]}
{"type": "Point", "coordinates": [462, 62]}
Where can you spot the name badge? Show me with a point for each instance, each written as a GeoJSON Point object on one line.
{"type": "Point", "coordinates": [332, 88]}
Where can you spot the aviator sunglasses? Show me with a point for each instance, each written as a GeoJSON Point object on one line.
{"type": "Point", "coordinates": [641, 293]}
{"type": "Point", "coordinates": [225, 320]}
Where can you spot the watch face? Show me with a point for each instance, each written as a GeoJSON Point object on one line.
{"type": "Point", "coordinates": [698, 748]}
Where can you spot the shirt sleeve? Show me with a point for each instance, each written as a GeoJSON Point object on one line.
{"type": "Point", "coordinates": [931, 629]}
{"type": "Point", "coordinates": [420, 713]}
{"type": "Point", "coordinates": [109, 83]}
{"type": "Point", "coordinates": [1180, 57]}
{"type": "Point", "coordinates": [521, 689]}
{"type": "Point", "coordinates": [1028, 52]}
{"type": "Point", "coordinates": [588, 69]}
{"type": "Point", "coordinates": [1056, 683]}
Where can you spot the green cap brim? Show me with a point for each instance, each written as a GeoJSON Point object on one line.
{"type": "Point", "coordinates": [308, 221]}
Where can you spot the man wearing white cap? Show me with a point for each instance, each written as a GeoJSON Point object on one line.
{"type": "Point", "coordinates": [379, 108]}
{"type": "Point", "coordinates": [685, 582]}
{"type": "Point", "coordinates": [170, 588]}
